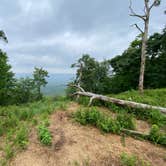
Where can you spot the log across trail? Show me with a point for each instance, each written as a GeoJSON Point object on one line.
{"type": "Point", "coordinates": [131, 104]}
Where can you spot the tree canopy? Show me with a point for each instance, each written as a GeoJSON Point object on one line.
{"type": "Point", "coordinates": [96, 77]}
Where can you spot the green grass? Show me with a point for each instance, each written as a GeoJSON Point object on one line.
{"type": "Point", "coordinates": [104, 122]}
{"type": "Point", "coordinates": [12, 116]}
{"type": "Point", "coordinates": [156, 97]}
{"type": "Point", "coordinates": [16, 122]}
{"type": "Point", "coordinates": [131, 160]}
{"type": "Point", "coordinates": [44, 135]}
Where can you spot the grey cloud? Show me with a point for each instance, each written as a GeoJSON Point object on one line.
{"type": "Point", "coordinates": [54, 33]}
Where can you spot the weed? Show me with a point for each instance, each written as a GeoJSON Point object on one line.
{"type": "Point", "coordinates": [8, 151]}
{"type": "Point", "coordinates": [157, 136]}
{"type": "Point", "coordinates": [126, 121]}
{"type": "Point", "coordinates": [44, 135]}
{"type": "Point", "coordinates": [62, 106]}
{"type": "Point", "coordinates": [132, 160]}
{"type": "Point", "coordinates": [98, 119]}
{"type": "Point", "coordinates": [128, 160]}
{"type": "Point", "coordinates": [21, 139]}
{"type": "Point", "coordinates": [122, 139]}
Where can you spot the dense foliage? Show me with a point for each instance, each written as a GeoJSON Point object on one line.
{"type": "Point", "coordinates": [6, 79]}
{"type": "Point", "coordinates": [23, 90]}
{"type": "Point", "coordinates": [104, 122]}
{"type": "Point", "coordinates": [92, 75]}
{"type": "Point", "coordinates": [96, 77]}
{"type": "Point", "coordinates": [126, 66]}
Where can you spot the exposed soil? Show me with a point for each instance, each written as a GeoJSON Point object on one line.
{"type": "Point", "coordinates": [74, 145]}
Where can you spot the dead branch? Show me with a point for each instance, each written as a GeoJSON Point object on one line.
{"type": "Point", "coordinates": [138, 28]}
{"type": "Point", "coordinates": [155, 2]}
{"type": "Point", "coordinates": [133, 13]}
{"type": "Point", "coordinates": [134, 133]}
{"type": "Point", "coordinates": [127, 103]}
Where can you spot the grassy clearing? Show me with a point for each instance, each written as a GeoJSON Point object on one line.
{"type": "Point", "coordinates": [155, 97]}
{"type": "Point", "coordinates": [17, 120]}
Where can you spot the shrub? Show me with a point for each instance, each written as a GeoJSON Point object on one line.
{"type": "Point", "coordinates": [157, 136]}
{"type": "Point", "coordinates": [126, 121]}
{"type": "Point", "coordinates": [152, 116]}
{"type": "Point", "coordinates": [98, 119]}
{"type": "Point", "coordinates": [44, 135]}
{"type": "Point", "coordinates": [109, 125]}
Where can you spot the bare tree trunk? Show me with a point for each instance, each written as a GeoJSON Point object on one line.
{"type": "Point", "coordinates": [145, 18]}
{"type": "Point", "coordinates": [143, 55]}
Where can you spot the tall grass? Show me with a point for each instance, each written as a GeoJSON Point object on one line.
{"type": "Point", "coordinates": [16, 122]}
{"type": "Point", "coordinates": [155, 97]}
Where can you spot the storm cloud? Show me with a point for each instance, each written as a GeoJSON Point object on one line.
{"type": "Point", "coordinates": [54, 33]}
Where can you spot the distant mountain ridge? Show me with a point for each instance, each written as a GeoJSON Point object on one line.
{"type": "Point", "coordinates": [56, 83]}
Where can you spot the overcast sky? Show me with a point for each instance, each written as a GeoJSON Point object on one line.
{"type": "Point", "coordinates": [54, 33]}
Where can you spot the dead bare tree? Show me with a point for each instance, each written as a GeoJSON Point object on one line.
{"type": "Point", "coordinates": [145, 17]}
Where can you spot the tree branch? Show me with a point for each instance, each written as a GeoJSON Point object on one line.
{"type": "Point", "coordinates": [155, 3]}
{"type": "Point", "coordinates": [135, 14]}
{"type": "Point", "coordinates": [90, 101]}
{"type": "Point", "coordinates": [138, 28]}
{"type": "Point", "coordinates": [78, 87]}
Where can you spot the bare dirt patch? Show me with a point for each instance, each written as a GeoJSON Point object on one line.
{"type": "Point", "coordinates": [74, 144]}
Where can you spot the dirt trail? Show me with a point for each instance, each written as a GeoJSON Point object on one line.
{"type": "Point", "coordinates": [75, 145]}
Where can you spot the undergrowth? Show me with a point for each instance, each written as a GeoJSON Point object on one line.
{"type": "Point", "coordinates": [157, 136]}
{"type": "Point", "coordinates": [105, 123]}
{"type": "Point", "coordinates": [149, 115]}
{"type": "Point", "coordinates": [17, 120]}
{"type": "Point", "coordinates": [116, 125]}
{"type": "Point", "coordinates": [44, 135]}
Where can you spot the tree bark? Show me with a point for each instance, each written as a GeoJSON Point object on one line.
{"type": "Point", "coordinates": [127, 103]}
{"type": "Point", "coordinates": [143, 50]}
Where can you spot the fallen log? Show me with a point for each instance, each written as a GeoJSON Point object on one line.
{"type": "Point", "coordinates": [136, 134]}
{"type": "Point", "coordinates": [131, 104]}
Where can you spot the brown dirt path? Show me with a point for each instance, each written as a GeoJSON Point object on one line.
{"type": "Point", "coordinates": [75, 145]}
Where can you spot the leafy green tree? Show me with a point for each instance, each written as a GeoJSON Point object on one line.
{"type": "Point", "coordinates": [92, 75]}
{"type": "Point", "coordinates": [6, 79]}
{"type": "Point", "coordinates": [24, 91]}
{"type": "Point", "coordinates": [3, 36]}
{"type": "Point", "coordinates": [126, 66]}
{"type": "Point", "coordinates": [39, 80]}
